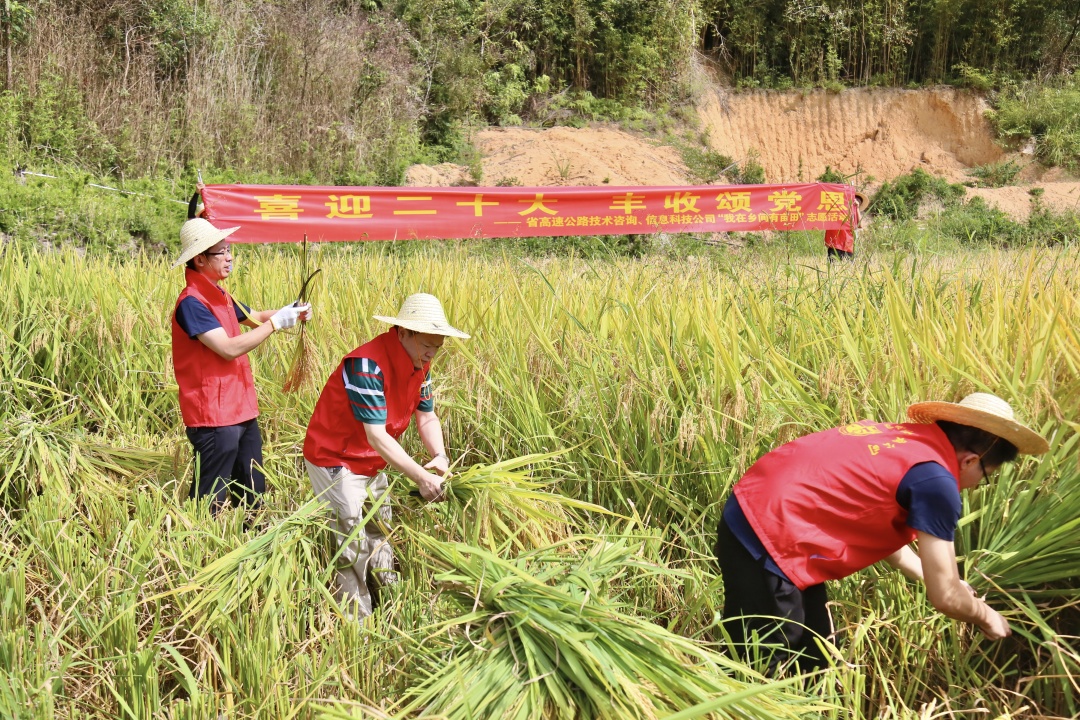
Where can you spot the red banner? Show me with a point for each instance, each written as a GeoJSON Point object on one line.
{"type": "Point", "coordinates": [284, 213]}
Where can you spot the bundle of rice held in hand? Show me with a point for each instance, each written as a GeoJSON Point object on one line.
{"type": "Point", "coordinates": [506, 502]}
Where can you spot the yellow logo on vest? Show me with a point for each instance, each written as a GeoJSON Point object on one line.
{"type": "Point", "coordinates": [858, 430]}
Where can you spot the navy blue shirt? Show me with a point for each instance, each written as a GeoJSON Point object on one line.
{"type": "Point", "coordinates": [927, 491]}
{"type": "Point", "coordinates": [930, 495]}
{"type": "Point", "coordinates": [194, 318]}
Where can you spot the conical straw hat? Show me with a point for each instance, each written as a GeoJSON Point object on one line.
{"type": "Point", "coordinates": [423, 313]}
{"type": "Point", "coordinates": [986, 412]}
{"type": "Point", "coordinates": [197, 236]}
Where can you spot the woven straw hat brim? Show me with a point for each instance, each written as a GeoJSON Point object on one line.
{"type": "Point", "coordinates": [1025, 439]}
{"type": "Point", "coordinates": [204, 243]}
{"type": "Point", "coordinates": [424, 326]}
{"type": "Point", "coordinates": [861, 198]}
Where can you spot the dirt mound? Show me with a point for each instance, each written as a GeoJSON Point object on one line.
{"type": "Point", "coordinates": [795, 135]}
{"type": "Point", "coordinates": [576, 156]}
{"type": "Point", "coordinates": [560, 156]}
{"type": "Point", "coordinates": [882, 132]}
{"type": "Point", "coordinates": [441, 175]}
{"type": "Point", "coordinates": [1016, 200]}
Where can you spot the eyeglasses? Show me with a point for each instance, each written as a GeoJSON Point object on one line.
{"type": "Point", "coordinates": [226, 251]}
{"type": "Point", "coordinates": [981, 465]}
{"type": "Point", "coordinates": [986, 476]}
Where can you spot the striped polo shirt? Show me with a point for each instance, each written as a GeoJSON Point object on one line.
{"type": "Point", "coordinates": [364, 387]}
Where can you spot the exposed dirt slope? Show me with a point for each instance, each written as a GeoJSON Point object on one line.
{"type": "Point", "coordinates": [882, 132]}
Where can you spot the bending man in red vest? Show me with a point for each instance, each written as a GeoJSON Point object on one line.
{"type": "Point", "coordinates": [217, 393]}
{"type": "Point", "coordinates": [364, 408]}
{"type": "Point", "coordinates": [829, 504]}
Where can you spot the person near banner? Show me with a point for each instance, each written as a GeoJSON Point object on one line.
{"type": "Point", "coordinates": [365, 406]}
{"type": "Point", "coordinates": [209, 353]}
{"type": "Point", "coordinates": [829, 504]}
{"type": "Point", "coordinates": [840, 243]}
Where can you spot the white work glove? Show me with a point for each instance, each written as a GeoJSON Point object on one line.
{"type": "Point", "coordinates": [287, 316]}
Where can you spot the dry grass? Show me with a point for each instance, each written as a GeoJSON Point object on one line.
{"type": "Point", "coordinates": [300, 87]}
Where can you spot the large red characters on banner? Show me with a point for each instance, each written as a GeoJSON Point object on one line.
{"type": "Point", "coordinates": [285, 213]}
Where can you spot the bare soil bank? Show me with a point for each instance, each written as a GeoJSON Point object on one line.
{"type": "Point", "coordinates": [877, 133]}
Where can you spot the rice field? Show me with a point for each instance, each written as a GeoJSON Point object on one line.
{"type": "Point", "coordinates": [599, 416]}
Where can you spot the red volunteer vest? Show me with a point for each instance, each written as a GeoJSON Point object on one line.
{"type": "Point", "coordinates": [824, 506]}
{"type": "Point", "coordinates": [214, 392]}
{"type": "Point", "coordinates": [335, 437]}
{"type": "Point", "coordinates": [844, 237]}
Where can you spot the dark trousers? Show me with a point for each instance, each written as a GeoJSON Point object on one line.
{"type": "Point", "coordinates": [750, 589]}
{"type": "Point", "coordinates": [836, 254]}
{"type": "Point", "coordinates": [228, 463]}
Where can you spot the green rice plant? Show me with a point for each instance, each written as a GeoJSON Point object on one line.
{"type": "Point", "coordinates": [548, 644]}
{"type": "Point", "coordinates": [263, 571]}
{"type": "Point", "coordinates": [502, 505]}
{"type": "Point", "coordinates": [657, 382]}
{"type": "Point", "coordinates": [1023, 531]}
{"type": "Point", "coordinates": [46, 451]}
{"type": "Point", "coordinates": [1060, 687]}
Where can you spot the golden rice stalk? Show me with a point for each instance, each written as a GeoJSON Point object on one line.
{"type": "Point", "coordinates": [505, 503]}
{"type": "Point", "coordinates": [302, 369]}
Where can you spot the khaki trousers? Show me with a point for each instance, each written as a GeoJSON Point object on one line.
{"type": "Point", "coordinates": [351, 497]}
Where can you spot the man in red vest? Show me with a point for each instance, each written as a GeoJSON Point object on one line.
{"type": "Point", "coordinates": [217, 392]}
{"type": "Point", "coordinates": [840, 243]}
{"type": "Point", "coordinates": [831, 503]}
{"type": "Point", "coordinates": [366, 405]}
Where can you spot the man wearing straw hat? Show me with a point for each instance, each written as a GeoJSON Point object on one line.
{"type": "Point", "coordinates": [831, 503]}
{"type": "Point", "coordinates": [840, 243]}
{"type": "Point", "coordinates": [217, 392]}
{"type": "Point", "coordinates": [364, 408]}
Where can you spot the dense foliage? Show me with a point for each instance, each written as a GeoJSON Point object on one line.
{"type": "Point", "coordinates": [346, 92]}
{"type": "Point", "coordinates": [890, 42]}
{"type": "Point", "coordinates": [1045, 115]}
{"type": "Point", "coordinates": [352, 91]}
{"type": "Point", "coordinates": [902, 197]}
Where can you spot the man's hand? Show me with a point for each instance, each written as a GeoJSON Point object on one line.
{"type": "Point", "coordinates": [995, 627]}
{"type": "Point", "coordinates": [287, 316]}
{"type": "Point", "coordinates": [439, 465]}
{"type": "Point", "coordinates": [430, 485]}
{"type": "Point", "coordinates": [431, 488]}
{"type": "Point", "coordinates": [951, 595]}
